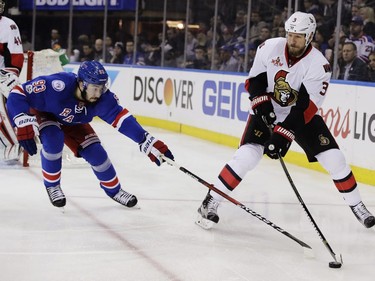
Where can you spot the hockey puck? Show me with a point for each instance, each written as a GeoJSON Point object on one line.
{"type": "Point", "coordinates": [335, 264]}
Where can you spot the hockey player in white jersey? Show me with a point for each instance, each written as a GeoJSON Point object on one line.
{"type": "Point", "coordinates": [287, 85]}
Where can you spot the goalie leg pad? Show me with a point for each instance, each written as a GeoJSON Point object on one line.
{"type": "Point", "coordinates": [9, 148]}
{"type": "Point", "coordinates": [10, 154]}
{"type": "Point", "coordinates": [6, 128]}
{"type": "Point", "coordinates": [8, 80]}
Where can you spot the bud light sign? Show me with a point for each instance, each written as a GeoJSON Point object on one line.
{"type": "Point", "coordinates": [79, 5]}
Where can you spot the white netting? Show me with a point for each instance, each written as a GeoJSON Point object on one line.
{"type": "Point", "coordinates": [43, 62]}
{"type": "Point", "coordinates": [38, 63]}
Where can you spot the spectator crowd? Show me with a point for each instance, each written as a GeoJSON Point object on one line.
{"type": "Point", "coordinates": [226, 50]}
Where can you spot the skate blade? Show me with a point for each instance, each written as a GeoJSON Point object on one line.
{"type": "Point", "coordinates": [135, 207]}
{"type": "Point", "coordinates": [61, 209]}
{"type": "Point", "coordinates": [204, 223]}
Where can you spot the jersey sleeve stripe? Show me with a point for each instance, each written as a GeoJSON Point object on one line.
{"type": "Point", "coordinates": [18, 90]}
{"type": "Point", "coordinates": [17, 61]}
{"type": "Point", "coordinates": [120, 118]}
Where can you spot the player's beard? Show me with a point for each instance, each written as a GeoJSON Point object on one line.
{"type": "Point", "coordinates": [295, 51]}
{"type": "Point", "coordinates": [92, 100]}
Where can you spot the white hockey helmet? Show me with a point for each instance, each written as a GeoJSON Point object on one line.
{"type": "Point", "coordinates": [303, 23]}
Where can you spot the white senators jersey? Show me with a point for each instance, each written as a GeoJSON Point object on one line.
{"type": "Point", "coordinates": [285, 78]}
{"type": "Point", "coordinates": [11, 51]}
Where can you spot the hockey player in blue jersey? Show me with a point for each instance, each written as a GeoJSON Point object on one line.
{"type": "Point", "coordinates": [63, 105]}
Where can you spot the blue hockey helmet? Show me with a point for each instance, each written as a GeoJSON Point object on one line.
{"type": "Point", "coordinates": [92, 72]}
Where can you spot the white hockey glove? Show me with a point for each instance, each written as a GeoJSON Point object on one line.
{"type": "Point", "coordinates": [154, 149]}
{"type": "Point", "coordinates": [8, 79]}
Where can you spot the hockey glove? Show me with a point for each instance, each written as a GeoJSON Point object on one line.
{"type": "Point", "coordinates": [8, 79]}
{"type": "Point", "coordinates": [263, 108]}
{"type": "Point", "coordinates": [279, 142]}
{"type": "Point", "coordinates": [26, 129]}
{"type": "Point", "coordinates": [154, 149]}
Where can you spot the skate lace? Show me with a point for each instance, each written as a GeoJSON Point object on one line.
{"type": "Point", "coordinates": [55, 193]}
{"type": "Point", "coordinates": [360, 211]}
{"type": "Point", "coordinates": [122, 197]}
{"type": "Point", "coordinates": [211, 205]}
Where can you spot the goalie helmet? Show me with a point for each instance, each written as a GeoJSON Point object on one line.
{"type": "Point", "coordinates": [92, 72]}
{"type": "Point", "coordinates": [2, 6]}
{"type": "Point", "coordinates": [303, 23]}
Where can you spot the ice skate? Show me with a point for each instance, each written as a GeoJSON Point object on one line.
{"type": "Point", "coordinates": [126, 199]}
{"type": "Point", "coordinates": [363, 215]}
{"type": "Point", "coordinates": [56, 196]}
{"type": "Point", "coordinates": [208, 213]}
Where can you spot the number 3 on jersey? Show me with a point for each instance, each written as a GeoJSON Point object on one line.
{"type": "Point", "coordinates": [324, 88]}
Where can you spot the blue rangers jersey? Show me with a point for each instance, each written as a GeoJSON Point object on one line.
{"type": "Point", "coordinates": [55, 94]}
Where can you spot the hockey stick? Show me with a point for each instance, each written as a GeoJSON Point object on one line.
{"type": "Point", "coordinates": [324, 240]}
{"type": "Point", "coordinates": [336, 263]}
{"type": "Point", "coordinates": [235, 202]}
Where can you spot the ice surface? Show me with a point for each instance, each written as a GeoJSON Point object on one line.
{"type": "Point", "coordinates": [98, 239]}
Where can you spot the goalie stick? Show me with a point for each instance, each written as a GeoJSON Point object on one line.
{"type": "Point", "coordinates": [235, 202]}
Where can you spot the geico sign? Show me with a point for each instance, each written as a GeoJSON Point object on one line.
{"type": "Point", "coordinates": [223, 98]}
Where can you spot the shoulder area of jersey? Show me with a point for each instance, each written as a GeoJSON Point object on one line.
{"type": "Point", "coordinates": [62, 75]}
{"type": "Point", "coordinates": [317, 56]}
{"type": "Point", "coordinates": [58, 79]}
{"type": "Point", "coordinates": [7, 21]}
{"type": "Point", "coordinates": [272, 42]}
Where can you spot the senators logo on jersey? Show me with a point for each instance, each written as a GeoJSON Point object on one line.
{"type": "Point", "coordinates": [283, 94]}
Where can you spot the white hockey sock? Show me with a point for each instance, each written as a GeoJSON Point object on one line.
{"type": "Point", "coordinates": [219, 185]}
{"type": "Point", "coordinates": [244, 160]}
{"type": "Point", "coordinates": [334, 162]}
{"type": "Point", "coordinates": [352, 198]}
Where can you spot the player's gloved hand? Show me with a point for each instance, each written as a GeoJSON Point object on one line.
{"type": "Point", "coordinates": [26, 129]}
{"type": "Point", "coordinates": [154, 149]}
{"type": "Point", "coordinates": [279, 142]}
{"type": "Point", "coordinates": [263, 107]}
{"type": "Point", "coordinates": [8, 79]}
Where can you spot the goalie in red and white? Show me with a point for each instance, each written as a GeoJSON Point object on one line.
{"type": "Point", "coordinates": [11, 61]}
